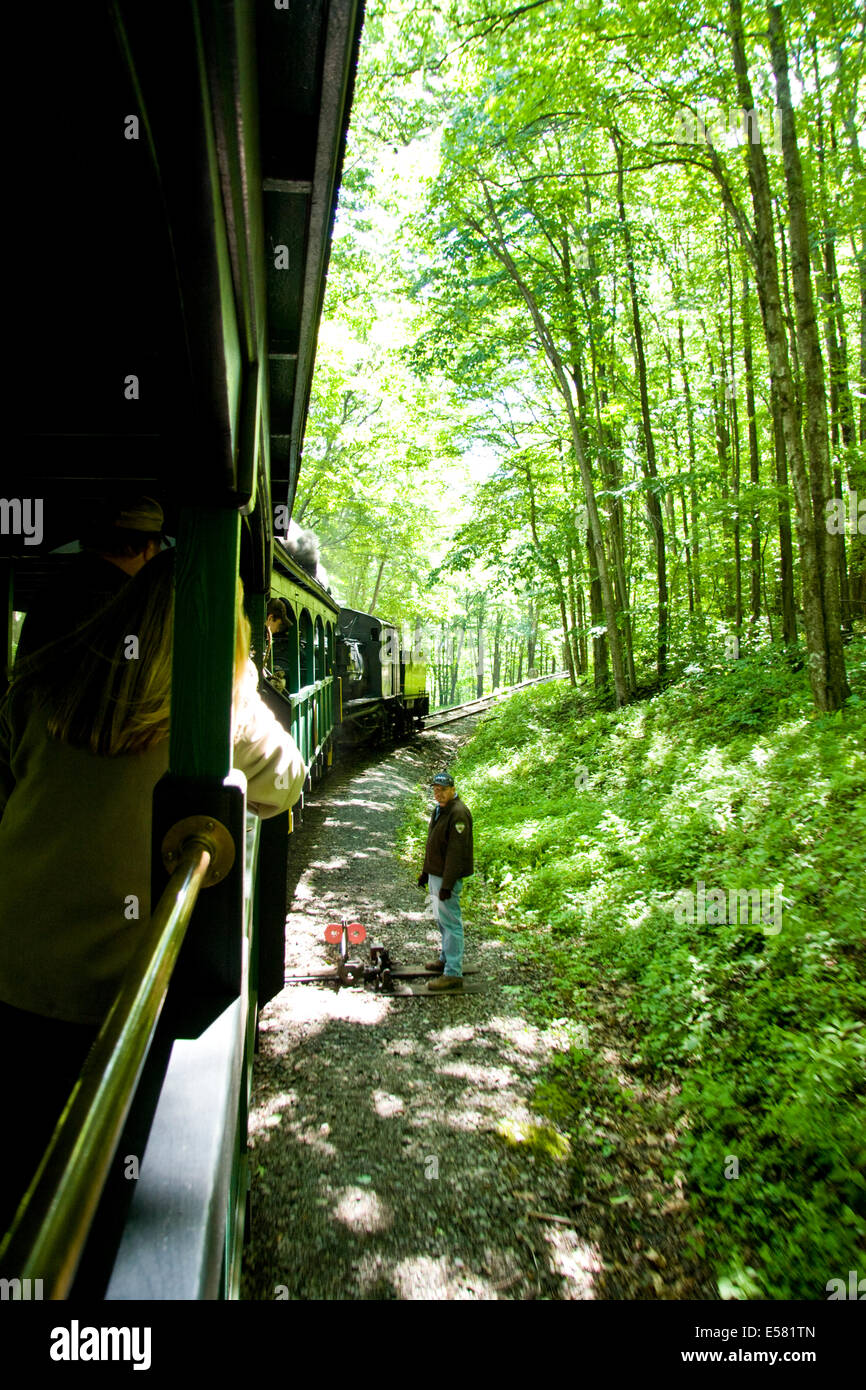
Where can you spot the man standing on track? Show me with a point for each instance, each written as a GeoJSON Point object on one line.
{"type": "Point", "coordinates": [447, 861]}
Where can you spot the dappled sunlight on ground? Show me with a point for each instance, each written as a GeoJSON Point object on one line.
{"type": "Point", "coordinates": [387, 1105]}
{"type": "Point", "coordinates": [495, 1078]}
{"type": "Point", "coordinates": [577, 1261]}
{"type": "Point", "coordinates": [357, 803]}
{"type": "Point", "coordinates": [516, 1031]}
{"type": "Point", "coordinates": [469, 1119]}
{"type": "Point", "coordinates": [362, 1211]}
{"type": "Point", "coordinates": [444, 1038]}
{"type": "Point", "coordinates": [279, 1103]}
{"type": "Point", "coordinates": [425, 1278]}
{"type": "Point", "coordinates": [310, 1004]}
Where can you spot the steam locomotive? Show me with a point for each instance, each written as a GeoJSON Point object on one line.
{"type": "Point", "coordinates": [368, 687]}
{"type": "Point", "coordinates": [384, 691]}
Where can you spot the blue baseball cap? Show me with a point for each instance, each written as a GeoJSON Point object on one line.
{"type": "Point", "coordinates": [442, 779]}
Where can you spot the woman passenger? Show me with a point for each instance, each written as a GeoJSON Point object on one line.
{"type": "Point", "coordinates": [83, 742]}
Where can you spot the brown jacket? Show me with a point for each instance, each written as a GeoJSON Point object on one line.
{"type": "Point", "coordinates": [449, 844]}
{"type": "Point", "coordinates": [75, 852]}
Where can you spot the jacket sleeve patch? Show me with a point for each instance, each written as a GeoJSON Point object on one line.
{"type": "Point", "coordinates": [460, 827]}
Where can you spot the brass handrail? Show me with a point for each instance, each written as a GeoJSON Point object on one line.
{"type": "Point", "coordinates": [47, 1238]}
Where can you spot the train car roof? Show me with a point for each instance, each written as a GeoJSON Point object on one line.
{"type": "Point", "coordinates": [356, 613]}
{"type": "Point", "coordinates": [300, 179]}
{"type": "Point", "coordinates": [175, 178]}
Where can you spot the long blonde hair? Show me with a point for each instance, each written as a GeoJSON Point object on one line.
{"type": "Point", "coordinates": [95, 693]}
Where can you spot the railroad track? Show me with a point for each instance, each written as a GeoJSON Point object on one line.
{"type": "Point", "coordinates": [447, 716]}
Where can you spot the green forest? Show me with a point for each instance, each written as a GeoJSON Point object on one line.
{"type": "Point", "coordinates": [590, 399]}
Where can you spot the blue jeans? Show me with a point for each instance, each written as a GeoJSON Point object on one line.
{"type": "Point", "coordinates": [450, 924]}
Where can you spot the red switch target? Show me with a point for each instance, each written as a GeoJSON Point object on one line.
{"type": "Point", "coordinates": [356, 933]}
{"type": "Point", "coordinates": [333, 932]}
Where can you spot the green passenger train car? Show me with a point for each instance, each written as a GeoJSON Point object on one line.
{"type": "Point", "coordinates": [304, 695]}
{"type": "Point", "coordinates": [169, 278]}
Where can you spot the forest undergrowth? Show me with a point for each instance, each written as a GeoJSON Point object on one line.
{"type": "Point", "coordinates": [610, 850]}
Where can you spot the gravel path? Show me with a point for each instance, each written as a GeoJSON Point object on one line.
{"type": "Point", "coordinates": [388, 1133]}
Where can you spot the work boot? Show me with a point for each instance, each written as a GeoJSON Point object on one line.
{"type": "Point", "coordinates": [446, 982]}
{"type": "Point", "coordinates": [437, 966]}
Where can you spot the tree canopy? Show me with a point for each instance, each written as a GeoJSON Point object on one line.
{"type": "Point", "coordinates": [595, 334]}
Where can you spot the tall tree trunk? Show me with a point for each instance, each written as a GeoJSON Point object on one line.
{"type": "Point", "coordinates": [495, 674]}
{"type": "Point", "coordinates": [731, 394]}
{"type": "Point", "coordinates": [839, 444]}
{"type": "Point", "coordinates": [669, 495]}
{"type": "Point", "coordinates": [570, 636]}
{"type": "Point", "coordinates": [723, 444]}
{"type": "Point", "coordinates": [566, 642]}
{"type": "Point", "coordinates": [828, 545]}
{"type": "Point", "coordinates": [376, 587]}
{"type": "Point", "coordinates": [612, 476]}
{"type": "Point", "coordinates": [600, 664]}
{"type": "Point", "coordinates": [860, 257]}
{"type": "Point", "coordinates": [531, 638]}
{"type": "Point", "coordinates": [581, 629]}
{"type": "Point", "coordinates": [551, 565]}
{"type": "Point", "coordinates": [754, 462]}
{"type": "Point", "coordinates": [653, 504]}
{"type": "Point", "coordinates": [768, 607]}
{"type": "Point", "coordinates": [673, 546]}
{"type": "Point", "coordinates": [455, 663]}
{"type": "Point", "coordinates": [572, 613]}
{"type": "Point", "coordinates": [823, 645]}
{"type": "Point", "coordinates": [786, 547]}
{"type": "Point", "coordinates": [693, 490]}
{"type": "Point", "coordinates": [682, 496]}
{"type": "Point", "coordinates": [857, 584]}
{"type": "Point", "coordinates": [843, 429]}
{"type": "Point", "coordinates": [847, 84]}
{"type": "Point", "coordinates": [499, 248]}
{"type": "Point", "coordinates": [608, 451]}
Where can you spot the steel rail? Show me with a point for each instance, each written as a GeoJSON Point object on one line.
{"type": "Point", "coordinates": [47, 1238]}
{"type": "Point", "coordinates": [482, 702]}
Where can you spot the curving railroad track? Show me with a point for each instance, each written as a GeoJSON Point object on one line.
{"type": "Point", "coordinates": [446, 716]}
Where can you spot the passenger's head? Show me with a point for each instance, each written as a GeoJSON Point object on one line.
{"type": "Point", "coordinates": [107, 685]}
{"type": "Point", "coordinates": [278, 616]}
{"type": "Point", "coordinates": [129, 534]}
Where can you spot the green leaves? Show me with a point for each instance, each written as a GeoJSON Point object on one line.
{"type": "Point", "coordinates": [762, 1035]}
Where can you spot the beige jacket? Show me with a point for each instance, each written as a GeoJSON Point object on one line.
{"type": "Point", "coordinates": [75, 853]}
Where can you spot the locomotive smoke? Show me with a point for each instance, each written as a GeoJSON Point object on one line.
{"type": "Point", "coordinates": [304, 547]}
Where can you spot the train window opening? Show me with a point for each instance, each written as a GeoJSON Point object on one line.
{"type": "Point", "coordinates": [319, 650]}
{"type": "Point", "coordinates": [288, 655]}
{"type": "Point", "coordinates": [307, 652]}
